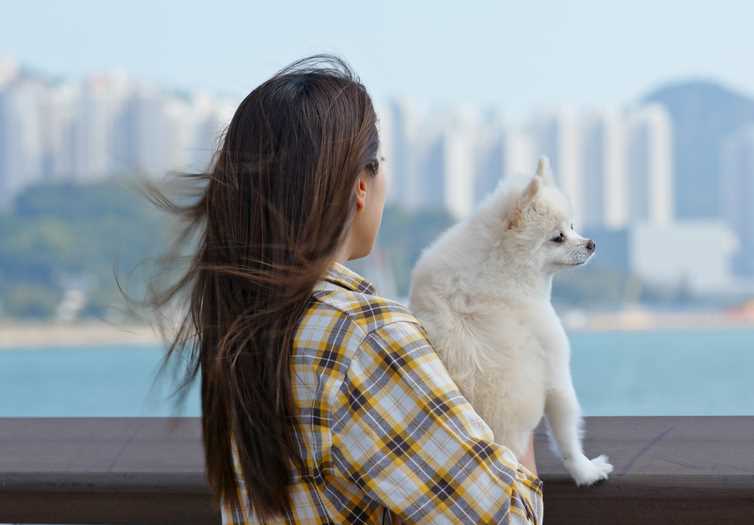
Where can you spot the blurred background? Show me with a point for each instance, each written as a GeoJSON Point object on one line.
{"type": "Point", "coordinates": [645, 110]}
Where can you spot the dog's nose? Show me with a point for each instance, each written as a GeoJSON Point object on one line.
{"type": "Point", "coordinates": [591, 245]}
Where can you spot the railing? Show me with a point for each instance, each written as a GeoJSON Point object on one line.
{"type": "Point", "coordinates": [103, 470]}
{"type": "Point", "coordinates": [668, 470]}
{"type": "Point", "coordinates": [684, 470]}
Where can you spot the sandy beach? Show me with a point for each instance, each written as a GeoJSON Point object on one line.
{"type": "Point", "coordinates": [35, 334]}
{"type": "Point", "coordinates": [637, 319]}
{"type": "Point", "coordinates": [16, 334]}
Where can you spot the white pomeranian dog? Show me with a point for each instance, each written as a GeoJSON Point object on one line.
{"type": "Point", "coordinates": [482, 290]}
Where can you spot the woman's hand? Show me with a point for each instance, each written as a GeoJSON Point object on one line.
{"type": "Point", "coordinates": [528, 459]}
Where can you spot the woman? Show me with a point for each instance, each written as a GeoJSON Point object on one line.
{"type": "Point", "coordinates": [322, 402]}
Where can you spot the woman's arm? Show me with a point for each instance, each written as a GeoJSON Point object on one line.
{"type": "Point", "coordinates": [405, 435]}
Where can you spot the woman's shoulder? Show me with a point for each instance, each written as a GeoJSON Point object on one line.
{"type": "Point", "coordinates": [340, 327]}
{"type": "Point", "coordinates": [368, 312]}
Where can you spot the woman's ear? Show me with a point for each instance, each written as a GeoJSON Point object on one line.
{"type": "Point", "coordinates": [361, 193]}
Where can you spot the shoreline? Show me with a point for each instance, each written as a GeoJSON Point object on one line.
{"type": "Point", "coordinates": [38, 334]}
{"type": "Point", "coordinates": [639, 320]}
{"type": "Point", "coordinates": [50, 334]}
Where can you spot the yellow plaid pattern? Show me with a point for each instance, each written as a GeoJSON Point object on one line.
{"type": "Point", "coordinates": [385, 433]}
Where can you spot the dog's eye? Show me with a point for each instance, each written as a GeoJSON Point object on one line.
{"type": "Point", "coordinates": [560, 238]}
{"type": "Point", "coordinates": [571, 226]}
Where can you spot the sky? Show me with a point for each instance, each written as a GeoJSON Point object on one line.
{"type": "Point", "coordinates": [516, 56]}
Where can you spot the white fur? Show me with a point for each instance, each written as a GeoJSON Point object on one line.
{"type": "Point", "coordinates": [482, 290]}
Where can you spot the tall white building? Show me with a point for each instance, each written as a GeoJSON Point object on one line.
{"type": "Point", "coordinates": [140, 142]}
{"type": "Point", "coordinates": [737, 195]}
{"type": "Point", "coordinates": [520, 153]}
{"type": "Point", "coordinates": [103, 126]}
{"type": "Point", "coordinates": [212, 119]}
{"type": "Point", "coordinates": [21, 135]}
{"type": "Point", "coordinates": [604, 191]}
{"type": "Point", "coordinates": [649, 165]}
{"type": "Point", "coordinates": [503, 151]}
{"type": "Point", "coordinates": [558, 135]}
{"type": "Point", "coordinates": [58, 105]}
{"type": "Point", "coordinates": [399, 128]}
{"type": "Point", "coordinates": [93, 132]}
{"type": "Point", "coordinates": [385, 130]}
{"type": "Point", "coordinates": [490, 156]}
{"type": "Point", "coordinates": [180, 121]}
{"type": "Point", "coordinates": [157, 133]}
{"type": "Point", "coordinates": [448, 162]}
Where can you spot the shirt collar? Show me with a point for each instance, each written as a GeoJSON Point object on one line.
{"type": "Point", "coordinates": [343, 276]}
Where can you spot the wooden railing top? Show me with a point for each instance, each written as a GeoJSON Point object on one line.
{"type": "Point", "coordinates": [103, 470]}
{"type": "Point", "coordinates": [688, 470]}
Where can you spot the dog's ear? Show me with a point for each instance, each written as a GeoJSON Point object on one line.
{"type": "Point", "coordinates": [524, 200]}
{"type": "Point", "coordinates": [530, 192]}
{"type": "Point", "coordinates": [544, 172]}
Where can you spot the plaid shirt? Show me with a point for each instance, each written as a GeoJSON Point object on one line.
{"type": "Point", "coordinates": [385, 433]}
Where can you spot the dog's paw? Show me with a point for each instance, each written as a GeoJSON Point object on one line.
{"type": "Point", "coordinates": [585, 471]}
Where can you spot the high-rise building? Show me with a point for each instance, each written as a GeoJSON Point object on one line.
{"type": "Point", "coordinates": [737, 195]}
{"type": "Point", "coordinates": [398, 127]}
{"type": "Point", "coordinates": [157, 133]}
{"type": "Point", "coordinates": [490, 156]}
{"type": "Point", "coordinates": [95, 137]}
{"type": "Point", "coordinates": [385, 131]}
{"type": "Point", "coordinates": [212, 118]}
{"type": "Point", "coordinates": [448, 162]}
{"type": "Point", "coordinates": [558, 136]}
{"type": "Point", "coordinates": [21, 145]}
{"type": "Point", "coordinates": [58, 105]}
{"type": "Point", "coordinates": [604, 191]}
{"type": "Point", "coordinates": [503, 151]}
{"type": "Point", "coordinates": [649, 165]}
{"type": "Point", "coordinates": [139, 143]}
{"type": "Point", "coordinates": [520, 153]}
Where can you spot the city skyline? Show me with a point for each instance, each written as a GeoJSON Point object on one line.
{"type": "Point", "coordinates": [110, 122]}
{"type": "Point", "coordinates": [617, 165]}
{"type": "Point", "coordinates": [513, 55]}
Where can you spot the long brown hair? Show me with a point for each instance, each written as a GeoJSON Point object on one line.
{"type": "Point", "coordinates": [264, 224]}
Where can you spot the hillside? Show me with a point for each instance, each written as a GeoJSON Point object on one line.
{"type": "Point", "coordinates": [703, 114]}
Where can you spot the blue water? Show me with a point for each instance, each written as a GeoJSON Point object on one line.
{"type": "Point", "coordinates": [107, 380]}
{"type": "Point", "coordinates": [700, 372]}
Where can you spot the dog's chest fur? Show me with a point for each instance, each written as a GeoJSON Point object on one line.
{"type": "Point", "coordinates": [502, 354]}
